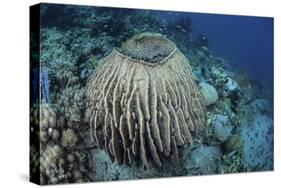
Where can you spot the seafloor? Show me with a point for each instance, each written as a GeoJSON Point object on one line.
{"type": "Point", "coordinates": [239, 133]}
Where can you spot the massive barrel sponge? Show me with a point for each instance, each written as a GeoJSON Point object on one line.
{"type": "Point", "coordinates": [144, 102]}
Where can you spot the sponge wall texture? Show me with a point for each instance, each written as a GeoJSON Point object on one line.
{"type": "Point", "coordinates": [143, 108]}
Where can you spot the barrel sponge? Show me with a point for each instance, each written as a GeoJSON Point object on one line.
{"type": "Point", "coordinates": [141, 47]}
{"type": "Point", "coordinates": [142, 107]}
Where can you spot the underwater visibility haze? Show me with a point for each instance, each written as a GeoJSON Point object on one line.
{"type": "Point", "coordinates": [124, 94]}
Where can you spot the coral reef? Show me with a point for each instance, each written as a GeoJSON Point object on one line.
{"type": "Point", "coordinates": [69, 138]}
{"type": "Point", "coordinates": [258, 143]}
{"type": "Point", "coordinates": [34, 156]}
{"type": "Point", "coordinates": [65, 79]}
{"type": "Point", "coordinates": [238, 130]}
{"type": "Point", "coordinates": [147, 113]}
{"type": "Point", "coordinates": [221, 127]}
{"type": "Point", "coordinates": [72, 97]}
{"type": "Point", "coordinates": [60, 160]}
{"type": "Point", "coordinates": [230, 163]}
{"type": "Point", "coordinates": [50, 161]}
{"type": "Point", "coordinates": [231, 85]}
{"type": "Point", "coordinates": [49, 124]}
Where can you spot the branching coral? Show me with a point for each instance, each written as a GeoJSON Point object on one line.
{"type": "Point", "coordinates": [144, 107]}
{"type": "Point", "coordinates": [72, 97]}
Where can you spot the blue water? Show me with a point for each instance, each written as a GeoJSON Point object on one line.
{"type": "Point", "coordinates": [246, 42]}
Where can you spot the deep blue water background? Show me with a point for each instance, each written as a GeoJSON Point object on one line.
{"type": "Point", "coordinates": [246, 42]}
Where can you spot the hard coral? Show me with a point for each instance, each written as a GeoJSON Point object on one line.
{"type": "Point", "coordinates": [49, 164]}
{"type": "Point", "coordinates": [49, 124]}
{"type": "Point", "coordinates": [69, 138]}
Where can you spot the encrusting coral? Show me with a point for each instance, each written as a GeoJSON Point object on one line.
{"type": "Point", "coordinates": [144, 101]}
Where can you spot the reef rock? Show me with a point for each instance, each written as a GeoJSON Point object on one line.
{"type": "Point", "coordinates": [209, 92]}
{"type": "Point", "coordinates": [144, 101]}
{"type": "Point", "coordinates": [104, 169]}
{"type": "Point", "coordinates": [233, 143]}
{"type": "Point", "coordinates": [203, 160]}
{"type": "Point", "coordinates": [221, 128]}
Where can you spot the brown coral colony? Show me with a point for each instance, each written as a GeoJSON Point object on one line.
{"type": "Point", "coordinates": [144, 102]}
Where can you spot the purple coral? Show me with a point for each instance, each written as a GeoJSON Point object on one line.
{"type": "Point", "coordinates": [44, 85]}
